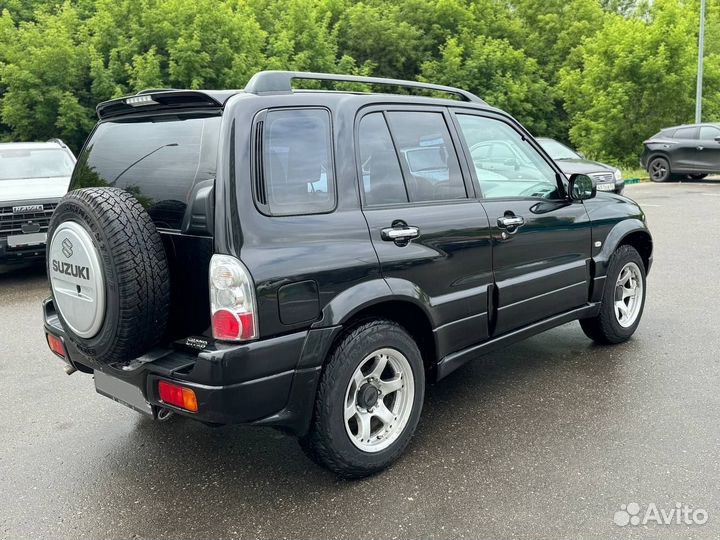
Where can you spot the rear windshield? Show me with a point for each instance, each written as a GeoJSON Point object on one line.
{"type": "Point", "coordinates": [158, 159]}
{"type": "Point", "coordinates": [36, 163]}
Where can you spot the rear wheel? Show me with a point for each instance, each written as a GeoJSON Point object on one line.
{"type": "Point", "coordinates": [659, 169]}
{"type": "Point", "coordinates": [623, 299]}
{"type": "Point", "coordinates": [369, 401]}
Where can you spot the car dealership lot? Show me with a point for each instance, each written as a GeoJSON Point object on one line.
{"type": "Point", "coordinates": [547, 438]}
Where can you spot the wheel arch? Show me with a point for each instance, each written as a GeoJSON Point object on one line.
{"type": "Point", "coordinates": [656, 154]}
{"type": "Point", "coordinates": [632, 232]}
{"type": "Point", "coordinates": [642, 241]}
{"type": "Point", "coordinates": [376, 300]}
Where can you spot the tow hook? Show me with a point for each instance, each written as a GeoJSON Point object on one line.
{"type": "Point", "coordinates": [69, 369]}
{"type": "Point", "coordinates": [164, 415]}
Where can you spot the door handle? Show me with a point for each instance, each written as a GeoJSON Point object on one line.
{"type": "Point", "coordinates": [510, 222]}
{"type": "Point", "coordinates": [399, 234]}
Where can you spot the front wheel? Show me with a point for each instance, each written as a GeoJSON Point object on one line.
{"type": "Point", "coordinates": [623, 299]}
{"type": "Point", "coordinates": [659, 169]}
{"type": "Point", "coordinates": [369, 400]}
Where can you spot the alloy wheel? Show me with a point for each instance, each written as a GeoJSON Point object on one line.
{"type": "Point", "coordinates": [379, 400]}
{"type": "Point", "coordinates": [658, 170]}
{"type": "Point", "coordinates": [628, 295]}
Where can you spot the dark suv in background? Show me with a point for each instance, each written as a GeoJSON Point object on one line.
{"type": "Point", "coordinates": [682, 151]}
{"type": "Point", "coordinates": [309, 260]}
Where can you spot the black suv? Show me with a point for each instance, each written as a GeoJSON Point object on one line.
{"type": "Point", "coordinates": [682, 151]}
{"type": "Point", "coordinates": [310, 259]}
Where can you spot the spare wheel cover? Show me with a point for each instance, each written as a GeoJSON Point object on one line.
{"type": "Point", "coordinates": [77, 279]}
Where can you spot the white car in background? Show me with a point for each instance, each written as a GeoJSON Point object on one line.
{"type": "Point", "coordinates": [33, 178]}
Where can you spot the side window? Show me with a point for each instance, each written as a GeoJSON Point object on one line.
{"type": "Point", "coordinates": [297, 172]}
{"type": "Point", "coordinates": [502, 152]}
{"type": "Point", "coordinates": [428, 156]}
{"type": "Point", "coordinates": [686, 133]}
{"type": "Point", "coordinates": [382, 178]}
{"type": "Point", "coordinates": [518, 170]}
{"type": "Point", "coordinates": [708, 133]}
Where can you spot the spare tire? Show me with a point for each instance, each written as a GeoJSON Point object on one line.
{"type": "Point", "coordinates": [108, 274]}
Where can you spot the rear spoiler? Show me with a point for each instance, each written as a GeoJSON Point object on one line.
{"type": "Point", "coordinates": [151, 100]}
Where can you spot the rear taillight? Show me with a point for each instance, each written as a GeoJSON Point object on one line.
{"type": "Point", "coordinates": [56, 345]}
{"type": "Point", "coordinates": [178, 396]}
{"type": "Point", "coordinates": [232, 300]}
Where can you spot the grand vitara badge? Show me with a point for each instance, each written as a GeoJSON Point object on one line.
{"type": "Point", "coordinates": [28, 209]}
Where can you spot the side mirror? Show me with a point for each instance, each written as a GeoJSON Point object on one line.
{"type": "Point", "coordinates": [581, 187]}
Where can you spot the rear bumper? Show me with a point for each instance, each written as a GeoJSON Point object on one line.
{"type": "Point", "coordinates": [270, 382]}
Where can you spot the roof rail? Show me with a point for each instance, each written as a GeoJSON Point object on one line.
{"type": "Point", "coordinates": [272, 82]}
{"type": "Point", "coordinates": [58, 141]}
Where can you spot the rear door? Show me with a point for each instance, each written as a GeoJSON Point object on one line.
{"type": "Point", "coordinates": [686, 153]}
{"type": "Point", "coordinates": [541, 240]}
{"type": "Point", "coordinates": [431, 237]}
{"type": "Point", "coordinates": [710, 153]}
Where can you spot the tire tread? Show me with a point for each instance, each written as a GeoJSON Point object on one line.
{"type": "Point", "coordinates": [319, 443]}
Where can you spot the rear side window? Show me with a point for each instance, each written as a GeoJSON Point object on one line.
{"type": "Point", "coordinates": [381, 175]}
{"type": "Point", "coordinates": [427, 155]}
{"type": "Point", "coordinates": [686, 133]}
{"type": "Point", "coordinates": [158, 159]}
{"type": "Point", "coordinates": [296, 172]}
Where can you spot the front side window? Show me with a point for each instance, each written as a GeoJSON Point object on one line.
{"type": "Point", "coordinates": [518, 170]}
{"type": "Point", "coordinates": [426, 150]}
{"type": "Point", "coordinates": [297, 172]}
{"type": "Point", "coordinates": [708, 133]}
{"type": "Point", "coordinates": [558, 151]}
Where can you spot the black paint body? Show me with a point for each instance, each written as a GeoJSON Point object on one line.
{"type": "Point", "coordinates": [461, 288]}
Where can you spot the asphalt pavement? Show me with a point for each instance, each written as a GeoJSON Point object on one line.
{"type": "Point", "coordinates": [545, 439]}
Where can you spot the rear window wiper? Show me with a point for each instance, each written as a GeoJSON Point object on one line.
{"type": "Point", "coordinates": [126, 169]}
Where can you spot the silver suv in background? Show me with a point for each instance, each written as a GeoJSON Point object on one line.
{"type": "Point", "coordinates": [33, 178]}
{"type": "Point", "coordinates": [605, 177]}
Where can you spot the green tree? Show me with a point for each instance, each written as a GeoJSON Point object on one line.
{"type": "Point", "coordinates": [45, 78]}
{"type": "Point", "coordinates": [635, 76]}
{"type": "Point", "coordinates": [378, 35]}
{"type": "Point", "coordinates": [500, 74]}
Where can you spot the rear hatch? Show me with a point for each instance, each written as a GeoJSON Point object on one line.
{"type": "Point", "coordinates": [164, 159]}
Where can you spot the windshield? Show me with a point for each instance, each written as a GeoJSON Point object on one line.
{"type": "Point", "coordinates": [158, 159]}
{"type": "Point", "coordinates": [36, 163]}
{"type": "Point", "coordinates": [558, 150]}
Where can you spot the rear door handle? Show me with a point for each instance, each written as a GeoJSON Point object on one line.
{"type": "Point", "coordinates": [510, 222]}
{"type": "Point", "coordinates": [399, 234]}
